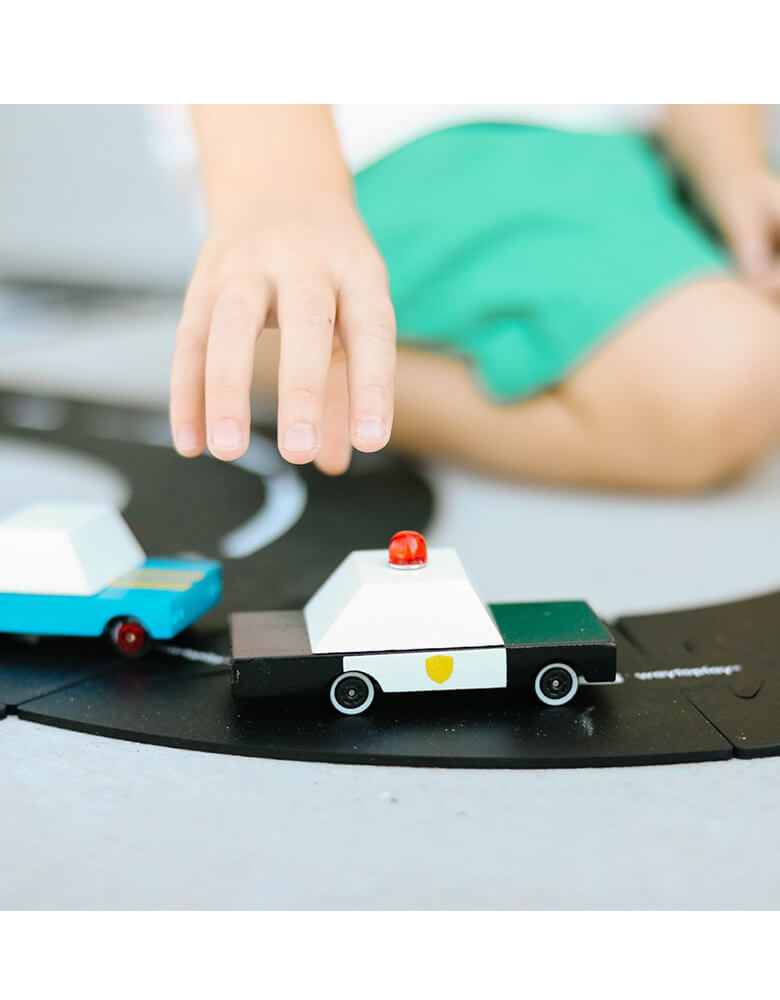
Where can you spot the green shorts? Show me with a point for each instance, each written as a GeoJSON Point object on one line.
{"type": "Point", "coordinates": [523, 249]}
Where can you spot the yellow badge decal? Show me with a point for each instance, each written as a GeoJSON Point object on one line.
{"type": "Point", "coordinates": [439, 668]}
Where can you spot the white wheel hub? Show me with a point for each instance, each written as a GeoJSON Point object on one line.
{"type": "Point", "coordinates": [556, 684]}
{"type": "Point", "coordinates": [352, 693]}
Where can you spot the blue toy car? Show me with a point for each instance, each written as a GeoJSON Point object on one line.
{"type": "Point", "coordinates": [51, 558]}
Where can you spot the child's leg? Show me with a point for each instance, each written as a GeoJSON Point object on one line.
{"type": "Point", "coordinates": [686, 397]}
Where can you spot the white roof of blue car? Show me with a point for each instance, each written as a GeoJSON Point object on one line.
{"type": "Point", "coordinates": [65, 549]}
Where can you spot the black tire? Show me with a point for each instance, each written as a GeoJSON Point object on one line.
{"type": "Point", "coordinates": [556, 684]}
{"type": "Point", "coordinates": [129, 637]}
{"type": "Point", "coordinates": [352, 693]}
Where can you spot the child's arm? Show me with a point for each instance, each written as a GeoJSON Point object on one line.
{"type": "Point", "coordinates": [724, 149]}
{"type": "Point", "coordinates": [286, 247]}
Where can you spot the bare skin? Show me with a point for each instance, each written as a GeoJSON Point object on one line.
{"type": "Point", "coordinates": [723, 149]}
{"type": "Point", "coordinates": [684, 397]}
{"type": "Point", "coordinates": [286, 247]}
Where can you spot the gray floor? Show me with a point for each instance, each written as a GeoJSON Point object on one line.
{"type": "Point", "coordinates": [89, 822]}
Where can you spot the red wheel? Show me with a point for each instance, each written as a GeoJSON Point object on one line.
{"type": "Point", "coordinates": [130, 637]}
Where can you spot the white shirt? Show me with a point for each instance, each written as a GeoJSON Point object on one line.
{"type": "Point", "coordinates": [370, 131]}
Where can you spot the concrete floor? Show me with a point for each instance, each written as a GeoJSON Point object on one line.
{"type": "Point", "coordinates": [89, 822]}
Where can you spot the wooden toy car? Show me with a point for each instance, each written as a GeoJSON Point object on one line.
{"type": "Point", "coordinates": [77, 570]}
{"type": "Point", "coordinates": [405, 619]}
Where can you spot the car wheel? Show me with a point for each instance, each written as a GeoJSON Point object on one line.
{"type": "Point", "coordinates": [352, 693]}
{"type": "Point", "coordinates": [129, 637]}
{"type": "Point", "coordinates": [556, 684]}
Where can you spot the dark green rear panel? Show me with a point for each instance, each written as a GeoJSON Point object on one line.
{"type": "Point", "coordinates": [552, 622]}
{"type": "Point", "coordinates": [555, 632]}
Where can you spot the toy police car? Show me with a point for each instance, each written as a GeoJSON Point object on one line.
{"type": "Point", "coordinates": [77, 570]}
{"type": "Point", "coordinates": [406, 619]}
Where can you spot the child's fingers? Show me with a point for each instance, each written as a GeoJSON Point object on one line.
{"type": "Point", "coordinates": [336, 450]}
{"type": "Point", "coordinates": [367, 326]}
{"type": "Point", "coordinates": [771, 283]}
{"type": "Point", "coordinates": [746, 231]}
{"type": "Point", "coordinates": [754, 255]}
{"type": "Point", "coordinates": [773, 277]}
{"type": "Point", "coordinates": [237, 318]}
{"type": "Point", "coordinates": [186, 388]}
{"type": "Point", "coordinates": [306, 310]}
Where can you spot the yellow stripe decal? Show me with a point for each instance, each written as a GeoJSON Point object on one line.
{"type": "Point", "coordinates": [165, 574]}
{"type": "Point", "coordinates": [159, 579]}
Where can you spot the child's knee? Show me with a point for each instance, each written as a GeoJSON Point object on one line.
{"type": "Point", "coordinates": [720, 413]}
{"type": "Point", "coordinates": [690, 399]}
{"type": "Point", "coordinates": [718, 432]}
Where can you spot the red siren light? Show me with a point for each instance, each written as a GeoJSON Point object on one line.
{"type": "Point", "coordinates": [407, 550]}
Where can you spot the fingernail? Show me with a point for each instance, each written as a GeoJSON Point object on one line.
{"type": "Point", "coordinates": [186, 437]}
{"type": "Point", "coordinates": [227, 434]}
{"type": "Point", "coordinates": [300, 437]}
{"type": "Point", "coordinates": [370, 429]}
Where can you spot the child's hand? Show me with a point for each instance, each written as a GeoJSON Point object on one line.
{"type": "Point", "coordinates": [747, 209]}
{"type": "Point", "coordinates": [312, 270]}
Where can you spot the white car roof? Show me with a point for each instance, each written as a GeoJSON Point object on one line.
{"type": "Point", "coordinates": [65, 549]}
{"type": "Point", "coordinates": [367, 605]}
